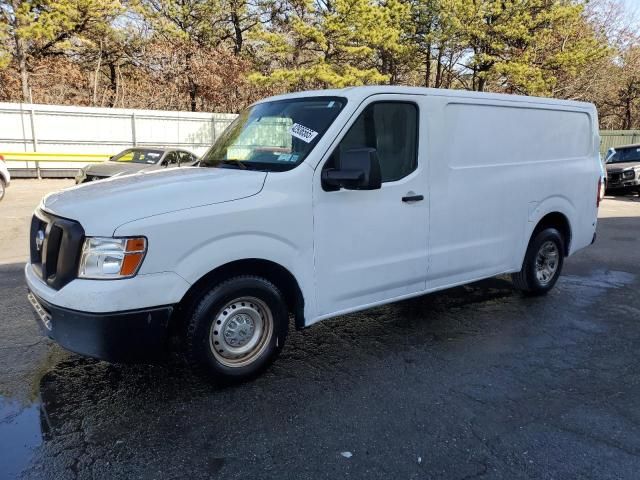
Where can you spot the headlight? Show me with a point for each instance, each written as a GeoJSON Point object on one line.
{"type": "Point", "coordinates": [629, 174]}
{"type": "Point", "coordinates": [111, 258]}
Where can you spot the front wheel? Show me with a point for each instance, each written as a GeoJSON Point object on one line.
{"type": "Point", "coordinates": [238, 328]}
{"type": "Point", "coordinates": [2, 188]}
{"type": "Point", "coordinates": [542, 263]}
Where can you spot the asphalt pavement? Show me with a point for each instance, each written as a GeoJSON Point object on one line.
{"type": "Point", "coordinates": [474, 382]}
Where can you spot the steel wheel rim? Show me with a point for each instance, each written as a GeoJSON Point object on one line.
{"type": "Point", "coordinates": [547, 262]}
{"type": "Point", "coordinates": [241, 331]}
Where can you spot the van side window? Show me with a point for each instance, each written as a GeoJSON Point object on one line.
{"type": "Point", "coordinates": [392, 129]}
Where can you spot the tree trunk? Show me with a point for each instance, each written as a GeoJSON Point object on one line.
{"type": "Point", "coordinates": [193, 87]}
{"type": "Point", "coordinates": [113, 85]}
{"type": "Point", "coordinates": [427, 73]}
{"type": "Point", "coordinates": [24, 74]}
{"type": "Point", "coordinates": [235, 19]}
{"type": "Point", "coordinates": [193, 94]}
{"type": "Point", "coordinates": [95, 77]}
{"type": "Point", "coordinates": [386, 66]}
{"type": "Point", "coordinates": [21, 58]}
{"type": "Point", "coordinates": [438, 83]}
{"type": "Point", "coordinates": [627, 113]}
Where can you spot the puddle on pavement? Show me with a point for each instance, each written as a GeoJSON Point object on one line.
{"type": "Point", "coordinates": [602, 279]}
{"type": "Point", "coordinates": [586, 290]}
{"type": "Point", "coordinates": [20, 434]}
{"type": "Point", "coordinates": [24, 424]}
{"type": "Point", "coordinates": [589, 287]}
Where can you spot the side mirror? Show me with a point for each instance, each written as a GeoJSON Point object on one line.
{"type": "Point", "coordinates": [359, 169]}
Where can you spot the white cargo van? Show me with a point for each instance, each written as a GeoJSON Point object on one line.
{"type": "Point", "coordinates": [314, 205]}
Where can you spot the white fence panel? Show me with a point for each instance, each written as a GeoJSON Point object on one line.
{"type": "Point", "coordinates": [53, 131]}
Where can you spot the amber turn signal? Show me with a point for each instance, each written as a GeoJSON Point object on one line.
{"type": "Point", "coordinates": [136, 245]}
{"type": "Point", "coordinates": [134, 254]}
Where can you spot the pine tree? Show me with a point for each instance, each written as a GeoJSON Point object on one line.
{"type": "Point", "coordinates": [41, 28]}
{"type": "Point", "coordinates": [337, 44]}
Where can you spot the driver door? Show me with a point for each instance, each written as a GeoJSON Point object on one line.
{"type": "Point", "coordinates": [371, 245]}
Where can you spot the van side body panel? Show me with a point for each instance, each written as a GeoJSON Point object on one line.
{"type": "Point", "coordinates": [496, 165]}
{"type": "Point", "coordinates": [497, 168]}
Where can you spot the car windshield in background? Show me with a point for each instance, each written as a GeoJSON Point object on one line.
{"type": "Point", "coordinates": [138, 156]}
{"type": "Point", "coordinates": [622, 155]}
{"type": "Point", "coordinates": [274, 136]}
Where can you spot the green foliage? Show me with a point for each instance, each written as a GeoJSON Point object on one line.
{"type": "Point", "coordinates": [346, 42]}
{"type": "Point", "coordinates": [5, 51]}
{"type": "Point", "coordinates": [186, 21]}
{"type": "Point", "coordinates": [522, 45]}
{"type": "Point", "coordinates": [49, 26]}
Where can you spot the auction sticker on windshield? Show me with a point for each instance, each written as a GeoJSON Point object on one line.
{"type": "Point", "coordinates": [303, 133]}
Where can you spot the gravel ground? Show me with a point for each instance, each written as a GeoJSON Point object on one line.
{"type": "Point", "coordinates": [474, 382]}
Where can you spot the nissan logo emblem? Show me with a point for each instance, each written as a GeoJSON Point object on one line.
{"type": "Point", "coordinates": [39, 240]}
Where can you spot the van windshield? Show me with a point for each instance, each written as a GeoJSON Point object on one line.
{"type": "Point", "coordinates": [274, 136]}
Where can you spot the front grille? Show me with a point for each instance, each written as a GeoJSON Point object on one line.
{"type": "Point", "coordinates": [615, 177]}
{"type": "Point", "coordinates": [55, 244]}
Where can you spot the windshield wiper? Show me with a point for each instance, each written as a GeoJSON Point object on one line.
{"type": "Point", "coordinates": [227, 164]}
{"type": "Point", "coordinates": [238, 164]}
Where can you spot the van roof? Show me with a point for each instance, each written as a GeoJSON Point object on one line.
{"type": "Point", "coordinates": [360, 93]}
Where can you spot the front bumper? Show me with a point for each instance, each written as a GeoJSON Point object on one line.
{"type": "Point", "coordinates": [623, 185]}
{"type": "Point", "coordinates": [144, 291]}
{"type": "Point", "coordinates": [127, 336]}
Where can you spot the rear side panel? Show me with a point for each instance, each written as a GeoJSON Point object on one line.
{"type": "Point", "coordinates": [497, 168]}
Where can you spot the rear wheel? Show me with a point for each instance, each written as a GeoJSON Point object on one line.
{"type": "Point", "coordinates": [542, 263]}
{"type": "Point", "coordinates": [2, 188]}
{"type": "Point", "coordinates": [238, 328]}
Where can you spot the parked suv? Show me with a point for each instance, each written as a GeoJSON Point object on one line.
{"type": "Point", "coordinates": [623, 169]}
{"type": "Point", "coordinates": [313, 205]}
{"type": "Point", "coordinates": [5, 178]}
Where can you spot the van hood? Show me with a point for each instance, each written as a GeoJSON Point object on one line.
{"type": "Point", "coordinates": [102, 206]}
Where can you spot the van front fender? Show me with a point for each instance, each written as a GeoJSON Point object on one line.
{"type": "Point", "coordinates": [224, 249]}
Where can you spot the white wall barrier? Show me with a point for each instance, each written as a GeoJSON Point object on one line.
{"type": "Point", "coordinates": [58, 133]}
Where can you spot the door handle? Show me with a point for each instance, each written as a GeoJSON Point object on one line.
{"type": "Point", "coordinates": [412, 198]}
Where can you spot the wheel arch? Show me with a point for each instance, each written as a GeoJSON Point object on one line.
{"type": "Point", "coordinates": [560, 222]}
{"type": "Point", "coordinates": [277, 274]}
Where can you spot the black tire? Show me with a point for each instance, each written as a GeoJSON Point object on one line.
{"type": "Point", "coordinates": [210, 323]}
{"type": "Point", "coordinates": [3, 188]}
{"type": "Point", "coordinates": [527, 279]}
